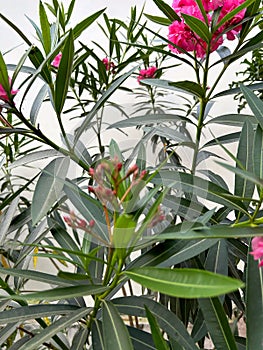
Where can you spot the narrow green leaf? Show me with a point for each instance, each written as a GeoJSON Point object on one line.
{"type": "Point", "coordinates": [141, 340]}
{"type": "Point", "coordinates": [168, 321]}
{"type": "Point", "coordinates": [97, 335]}
{"type": "Point", "coordinates": [38, 101]}
{"type": "Point", "coordinates": [34, 156]}
{"type": "Point", "coordinates": [224, 139]}
{"type": "Point", "coordinates": [233, 119]}
{"type": "Point", "coordinates": [189, 87]}
{"type": "Point", "coordinates": [81, 26]}
{"type": "Point", "coordinates": [149, 118]}
{"type": "Point", "coordinates": [45, 28]}
{"type": "Point", "coordinates": [6, 219]}
{"type": "Point", "coordinates": [4, 80]}
{"type": "Point", "coordinates": [184, 283]}
{"type": "Point", "coordinates": [244, 187]}
{"type": "Point", "coordinates": [37, 59]}
{"type": "Point", "coordinates": [58, 293]}
{"type": "Point", "coordinates": [167, 10]}
{"type": "Point", "coordinates": [254, 304]}
{"type": "Point", "coordinates": [80, 339]}
{"type": "Point", "coordinates": [64, 74]}
{"type": "Point", "coordinates": [217, 324]}
{"type": "Point", "coordinates": [198, 26]}
{"type": "Point", "coordinates": [159, 342]}
{"type": "Point", "coordinates": [255, 87]}
{"type": "Point", "coordinates": [49, 187]}
{"type": "Point", "coordinates": [115, 333]}
{"type": "Point", "coordinates": [47, 333]}
{"type": "Point", "coordinates": [159, 20]}
{"type": "Point", "coordinates": [24, 313]}
{"type": "Point", "coordinates": [114, 86]}
{"type": "Point", "coordinates": [258, 153]}
{"type": "Point", "coordinates": [255, 104]}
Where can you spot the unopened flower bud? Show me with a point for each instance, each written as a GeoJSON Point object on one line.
{"type": "Point", "coordinates": [91, 223]}
{"type": "Point", "coordinates": [82, 223]}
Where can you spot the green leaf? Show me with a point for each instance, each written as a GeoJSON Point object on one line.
{"type": "Point", "coordinates": [114, 86]}
{"type": "Point", "coordinates": [255, 87]}
{"type": "Point", "coordinates": [227, 138]}
{"type": "Point", "coordinates": [159, 20]}
{"type": "Point", "coordinates": [188, 231]}
{"type": "Point", "coordinates": [24, 313]}
{"type": "Point", "coordinates": [255, 104]}
{"type": "Point", "coordinates": [123, 232]}
{"type": "Point", "coordinates": [233, 119]}
{"type": "Point", "coordinates": [115, 333]}
{"type": "Point", "coordinates": [198, 187]}
{"type": "Point", "coordinates": [47, 333]}
{"type": "Point", "coordinates": [217, 324]}
{"type": "Point", "coordinates": [167, 10]}
{"type": "Point", "coordinates": [81, 26]}
{"type": "Point", "coordinates": [4, 80]}
{"type": "Point", "coordinates": [49, 187]}
{"type": "Point", "coordinates": [64, 74]}
{"type": "Point", "coordinates": [149, 118]}
{"type": "Point", "coordinates": [258, 153]}
{"type": "Point", "coordinates": [34, 156]}
{"type": "Point", "coordinates": [189, 87]}
{"type": "Point", "coordinates": [159, 342]}
{"type": "Point", "coordinates": [141, 340]}
{"type": "Point", "coordinates": [6, 219]}
{"type": "Point", "coordinates": [254, 303]}
{"type": "Point", "coordinates": [58, 293]}
{"type": "Point", "coordinates": [168, 321]}
{"type": "Point", "coordinates": [80, 339]}
{"type": "Point", "coordinates": [232, 13]}
{"type": "Point", "coordinates": [198, 26]}
{"type": "Point", "coordinates": [38, 101]}
{"type": "Point", "coordinates": [184, 283]}
{"type": "Point", "coordinates": [37, 59]}
{"type": "Point", "coordinates": [244, 187]}
{"type": "Point", "coordinates": [45, 27]}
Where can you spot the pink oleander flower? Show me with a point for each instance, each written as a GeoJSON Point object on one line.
{"type": "Point", "coordinates": [109, 65]}
{"type": "Point", "coordinates": [56, 61]}
{"type": "Point", "coordinates": [3, 93]}
{"type": "Point", "coordinates": [148, 73]}
{"type": "Point", "coordinates": [182, 36]}
{"type": "Point", "coordinates": [257, 249]}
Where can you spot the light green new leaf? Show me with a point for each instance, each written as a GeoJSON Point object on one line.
{"type": "Point", "coordinates": [217, 324]}
{"type": "Point", "coordinates": [159, 342]}
{"type": "Point", "coordinates": [184, 283]}
{"type": "Point", "coordinates": [45, 28]}
{"type": "Point", "coordinates": [255, 104]}
{"type": "Point", "coordinates": [58, 293]}
{"type": "Point", "coordinates": [64, 74]}
{"type": "Point", "coordinates": [254, 302]}
{"type": "Point", "coordinates": [49, 187]}
{"type": "Point", "coordinates": [115, 333]}
{"type": "Point", "coordinates": [46, 334]}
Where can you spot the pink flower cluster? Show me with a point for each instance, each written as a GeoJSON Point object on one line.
{"type": "Point", "coordinates": [182, 36]}
{"type": "Point", "coordinates": [3, 93]}
{"type": "Point", "coordinates": [257, 249]}
{"type": "Point", "coordinates": [147, 73]}
{"type": "Point", "coordinates": [73, 221]}
{"type": "Point", "coordinates": [109, 65]}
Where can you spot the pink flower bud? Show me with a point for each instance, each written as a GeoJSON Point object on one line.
{"type": "Point", "coordinates": [55, 63]}
{"type": "Point", "coordinates": [91, 223]}
{"type": "Point", "coordinates": [82, 223]}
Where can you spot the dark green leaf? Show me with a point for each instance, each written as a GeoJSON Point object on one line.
{"type": "Point", "coordinates": [159, 342]}
{"type": "Point", "coordinates": [184, 283]}
{"type": "Point", "coordinates": [81, 26]}
{"type": "Point", "coordinates": [255, 104]}
{"type": "Point", "coordinates": [115, 333]}
{"type": "Point", "coordinates": [198, 27]}
{"type": "Point", "coordinates": [167, 10]}
{"type": "Point", "coordinates": [159, 20]}
{"type": "Point", "coordinates": [45, 27]}
{"type": "Point", "coordinates": [189, 87]}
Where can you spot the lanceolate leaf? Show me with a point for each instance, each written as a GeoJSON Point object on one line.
{"type": "Point", "coordinates": [217, 324]}
{"type": "Point", "coordinates": [64, 74]}
{"type": "Point", "coordinates": [45, 27]}
{"type": "Point", "coordinates": [258, 153]}
{"type": "Point", "coordinates": [48, 188]}
{"type": "Point", "coordinates": [159, 341]}
{"type": "Point", "coordinates": [189, 87]}
{"type": "Point", "coordinates": [184, 283]}
{"type": "Point", "coordinates": [80, 27]}
{"type": "Point", "coordinates": [4, 75]}
{"type": "Point", "coordinates": [198, 27]}
{"type": "Point", "coordinates": [38, 103]}
{"type": "Point", "coordinates": [255, 104]}
{"type": "Point", "coordinates": [159, 20]}
{"type": "Point", "coordinates": [47, 333]}
{"type": "Point", "coordinates": [168, 321]}
{"type": "Point", "coordinates": [254, 302]}
{"type": "Point", "coordinates": [58, 293]}
{"type": "Point", "coordinates": [115, 333]}
{"type": "Point", "coordinates": [167, 10]}
{"type": "Point", "coordinates": [243, 187]}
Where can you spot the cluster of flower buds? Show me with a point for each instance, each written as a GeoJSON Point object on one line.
{"type": "Point", "coordinates": [108, 177]}
{"type": "Point", "coordinates": [73, 221]}
{"type": "Point", "coordinates": [109, 65]}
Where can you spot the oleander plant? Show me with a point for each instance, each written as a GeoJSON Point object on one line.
{"type": "Point", "coordinates": [132, 227]}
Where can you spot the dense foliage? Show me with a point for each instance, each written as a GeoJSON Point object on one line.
{"type": "Point", "coordinates": [101, 238]}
